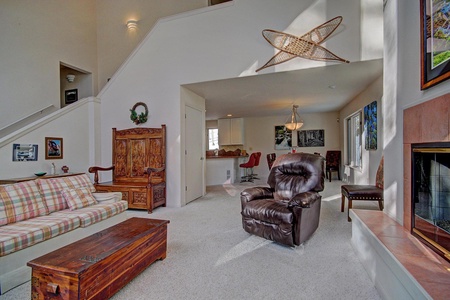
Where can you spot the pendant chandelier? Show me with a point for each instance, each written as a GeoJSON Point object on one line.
{"type": "Point", "coordinates": [294, 122]}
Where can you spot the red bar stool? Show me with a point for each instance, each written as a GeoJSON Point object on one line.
{"type": "Point", "coordinates": [258, 158]}
{"type": "Point", "coordinates": [248, 165]}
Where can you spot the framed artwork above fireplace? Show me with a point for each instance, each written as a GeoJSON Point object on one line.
{"type": "Point", "coordinates": [435, 49]}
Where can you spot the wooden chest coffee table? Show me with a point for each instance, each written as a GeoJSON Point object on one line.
{"type": "Point", "coordinates": [99, 265]}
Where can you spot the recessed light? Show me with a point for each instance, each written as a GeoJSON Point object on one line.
{"type": "Point", "coordinates": [332, 87]}
{"type": "Point", "coordinates": [229, 115]}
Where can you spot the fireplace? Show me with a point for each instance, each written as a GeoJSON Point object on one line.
{"type": "Point", "coordinates": [426, 146]}
{"type": "Point", "coordinates": [430, 216]}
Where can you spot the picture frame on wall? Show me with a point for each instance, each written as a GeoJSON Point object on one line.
{"type": "Point", "coordinates": [71, 96]}
{"type": "Point", "coordinates": [311, 138]}
{"type": "Point", "coordinates": [435, 49]}
{"type": "Point", "coordinates": [371, 125]}
{"type": "Point", "coordinates": [25, 152]}
{"type": "Point", "coordinates": [54, 148]}
{"type": "Point", "coordinates": [283, 138]}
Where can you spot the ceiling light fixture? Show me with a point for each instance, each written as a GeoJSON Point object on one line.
{"type": "Point", "coordinates": [294, 122]}
{"type": "Point", "coordinates": [132, 25]}
{"type": "Point", "coordinates": [70, 77]}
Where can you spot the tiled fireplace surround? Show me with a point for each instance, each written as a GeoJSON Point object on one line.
{"type": "Point", "coordinates": [424, 123]}
{"type": "Point", "coordinates": [400, 266]}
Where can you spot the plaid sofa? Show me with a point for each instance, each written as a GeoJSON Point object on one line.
{"type": "Point", "coordinates": [42, 215]}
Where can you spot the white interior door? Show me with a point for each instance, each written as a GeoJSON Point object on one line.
{"type": "Point", "coordinates": [194, 154]}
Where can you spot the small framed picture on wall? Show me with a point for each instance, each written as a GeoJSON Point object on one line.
{"type": "Point", "coordinates": [54, 148]}
{"type": "Point", "coordinates": [283, 138]}
{"type": "Point", "coordinates": [71, 96]}
{"type": "Point", "coordinates": [25, 152]}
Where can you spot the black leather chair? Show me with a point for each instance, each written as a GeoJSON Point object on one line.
{"type": "Point", "coordinates": [333, 163]}
{"type": "Point", "coordinates": [288, 210]}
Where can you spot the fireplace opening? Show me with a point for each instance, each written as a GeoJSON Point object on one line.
{"type": "Point", "coordinates": [431, 195]}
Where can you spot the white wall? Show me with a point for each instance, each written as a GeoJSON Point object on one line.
{"type": "Point", "coordinates": [370, 158]}
{"type": "Point", "coordinates": [115, 41]}
{"type": "Point", "coordinates": [74, 124]}
{"type": "Point", "coordinates": [371, 30]}
{"type": "Point", "coordinates": [402, 90]}
{"type": "Point", "coordinates": [35, 36]}
{"type": "Point", "coordinates": [260, 136]}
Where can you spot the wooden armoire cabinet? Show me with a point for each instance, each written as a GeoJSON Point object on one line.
{"type": "Point", "coordinates": [138, 170]}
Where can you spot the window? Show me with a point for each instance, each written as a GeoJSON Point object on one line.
{"type": "Point", "coordinates": [354, 139]}
{"type": "Point", "coordinates": [213, 138]}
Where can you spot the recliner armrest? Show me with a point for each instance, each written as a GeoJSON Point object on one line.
{"type": "Point", "coordinates": [256, 193]}
{"type": "Point", "coordinates": [304, 200]}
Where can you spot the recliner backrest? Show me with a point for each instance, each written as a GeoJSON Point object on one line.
{"type": "Point", "coordinates": [295, 173]}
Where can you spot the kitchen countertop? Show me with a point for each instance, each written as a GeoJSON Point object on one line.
{"type": "Point", "coordinates": [226, 156]}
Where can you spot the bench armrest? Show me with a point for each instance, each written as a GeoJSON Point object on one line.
{"type": "Point", "coordinates": [96, 169]}
{"type": "Point", "coordinates": [149, 170]}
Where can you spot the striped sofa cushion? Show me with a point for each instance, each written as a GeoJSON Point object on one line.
{"type": "Point", "coordinates": [20, 201]}
{"type": "Point", "coordinates": [93, 214]}
{"type": "Point", "coordinates": [78, 198]}
{"type": "Point", "coordinates": [17, 236]}
{"type": "Point", "coordinates": [51, 189]}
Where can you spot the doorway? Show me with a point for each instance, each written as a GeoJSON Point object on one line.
{"type": "Point", "coordinates": [194, 155]}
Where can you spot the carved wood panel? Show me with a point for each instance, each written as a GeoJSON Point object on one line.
{"type": "Point", "coordinates": [139, 198]}
{"type": "Point", "coordinates": [159, 194]}
{"type": "Point", "coordinates": [156, 160]}
{"type": "Point", "coordinates": [138, 157]}
{"type": "Point", "coordinates": [120, 159]}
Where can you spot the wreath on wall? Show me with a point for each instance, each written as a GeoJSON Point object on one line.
{"type": "Point", "coordinates": [139, 118]}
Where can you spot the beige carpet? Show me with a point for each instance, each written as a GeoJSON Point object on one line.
{"type": "Point", "coordinates": [210, 256]}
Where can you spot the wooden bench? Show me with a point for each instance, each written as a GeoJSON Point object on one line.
{"type": "Point", "coordinates": [139, 167]}
{"type": "Point", "coordinates": [98, 266]}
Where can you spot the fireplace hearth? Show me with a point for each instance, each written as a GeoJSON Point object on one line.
{"type": "Point", "coordinates": [430, 217]}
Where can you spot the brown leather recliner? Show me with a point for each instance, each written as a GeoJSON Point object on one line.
{"type": "Point", "coordinates": [288, 210]}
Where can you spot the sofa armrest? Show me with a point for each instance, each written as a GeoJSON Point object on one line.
{"type": "Point", "coordinates": [256, 193]}
{"type": "Point", "coordinates": [304, 200]}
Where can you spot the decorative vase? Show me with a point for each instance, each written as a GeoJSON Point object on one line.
{"type": "Point", "coordinates": [65, 169]}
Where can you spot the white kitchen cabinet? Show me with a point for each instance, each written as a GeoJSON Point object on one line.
{"type": "Point", "coordinates": [231, 131]}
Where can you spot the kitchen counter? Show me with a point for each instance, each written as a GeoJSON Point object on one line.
{"type": "Point", "coordinates": [224, 169]}
{"type": "Point", "coordinates": [225, 156]}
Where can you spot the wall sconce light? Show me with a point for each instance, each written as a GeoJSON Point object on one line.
{"type": "Point", "coordinates": [70, 77]}
{"type": "Point", "coordinates": [294, 122]}
{"type": "Point", "coordinates": [132, 25]}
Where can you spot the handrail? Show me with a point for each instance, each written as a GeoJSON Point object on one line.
{"type": "Point", "coordinates": [5, 140]}
{"type": "Point", "coordinates": [4, 131]}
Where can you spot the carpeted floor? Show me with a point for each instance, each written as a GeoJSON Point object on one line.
{"type": "Point", "coordinates": [210, 256]}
